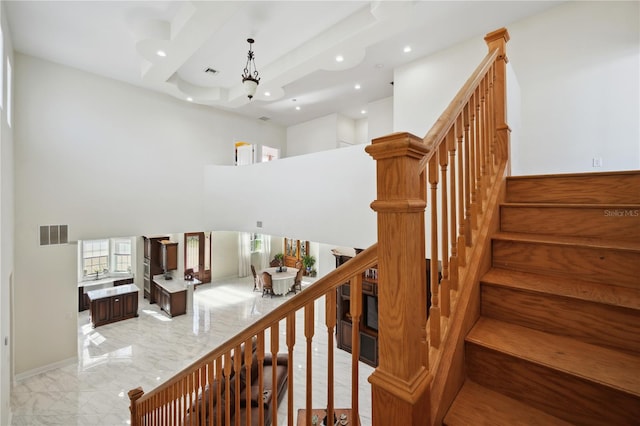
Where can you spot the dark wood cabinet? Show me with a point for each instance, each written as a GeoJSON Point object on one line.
{"type": "Point", "coordinates": [152, 262]}
{"type": "Point", "coordinates": [174, 303]}
{"type": "Point", "coordinates": [368, 323]}
{"type": "Point", "coordinates": [169, 254]}
{"type": "Point", "coordinates": [83, 299]}
{"type": "Point", "coordinates": [122, 282]}
{"type": "Point", "coordinates": [113, 304]}
{"type": "Point", "coordinates": [100, 311]}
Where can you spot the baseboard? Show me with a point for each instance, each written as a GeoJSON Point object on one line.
{"type": "Point", "coordinates": [30, 373]}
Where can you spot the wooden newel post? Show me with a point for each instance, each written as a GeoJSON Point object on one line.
{"type": "Point", "coordinates": [400, 385]}
{"type": "Point", "coordinates": [498, 40]}
{"type": "Point", "coordinates": [134, 396]}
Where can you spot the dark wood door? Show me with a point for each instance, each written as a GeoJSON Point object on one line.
{"type": "Point", "coordinates": [100, 311]}
{"type": "Point", "coordinates": [117, 307]}
{"type": "Point", "coordinates": [130, 304]}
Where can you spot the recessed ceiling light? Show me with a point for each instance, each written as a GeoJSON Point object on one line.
{"type": "Point", "coordinates": [407, 49]}
{"type": "Point", "coordinates": [298, 108]}
{"type": "Point", "coordinates": [357, 86]}
{"type": "Point", "coordinates": [267, 93]}
{"type": "Point", "coordinates": [190, 99]}
{"type": "Point", "coordinates": [379, 66]}
{"type": "Point", "coordinates": [364, 111]}
{"type": "Point", "coordinates": [339, 58]}
{"type": "Point", "coordinates": [161, 53]}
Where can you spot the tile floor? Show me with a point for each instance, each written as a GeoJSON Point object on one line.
{"type": "Point", "coordinates": [147, 350]}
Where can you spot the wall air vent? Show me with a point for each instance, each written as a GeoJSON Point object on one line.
{"type": "Point", "coordinates": [211, 71]}
{"type": "Point", "coordinates": [54, 234]}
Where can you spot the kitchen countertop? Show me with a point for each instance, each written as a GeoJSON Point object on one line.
{"type": "Point", "coordinates": [174, 285]}
{"type": "Point", "coordinates": [102, 281]}
{"type": "Point", "coordinates": [112, 291]}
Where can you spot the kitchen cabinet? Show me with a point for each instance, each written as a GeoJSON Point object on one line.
{"type": "Point", "coordinates": [169, 255]}
{"type": "Point", "coordinates": [152, 262]}
{"type": "Point", "coordinates": [173, 303]}
{"type": "Point", "coordinates": [113, 304]}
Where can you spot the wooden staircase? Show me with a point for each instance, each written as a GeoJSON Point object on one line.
{"type": "Point", "coordinates": [558, 339]}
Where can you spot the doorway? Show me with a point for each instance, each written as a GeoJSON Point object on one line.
{"type": "Point", "coordinates": [197, 255]}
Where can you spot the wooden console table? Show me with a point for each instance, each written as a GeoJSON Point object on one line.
{"type": "Point", "coordinates": [321, 413]}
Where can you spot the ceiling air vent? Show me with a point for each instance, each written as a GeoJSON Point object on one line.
{"type": "Point", "coordinates": [263, 118]}
{"type": "Point", "coordinates": [54, 234]}
{"type": "Point", "coordinates": [211, 71]}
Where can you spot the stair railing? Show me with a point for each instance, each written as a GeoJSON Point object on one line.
{"type": "Point", "coordinates": [189, 397]}
{"type": "Point", "coordinates": [466, 152]}
{"type": "Point", "coordinates": [456, 164]}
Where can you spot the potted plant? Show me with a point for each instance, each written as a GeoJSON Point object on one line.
{"type": "Point", "coordinates": [308, 261]}
{"type": "Point", "coordinates": [280, 258]}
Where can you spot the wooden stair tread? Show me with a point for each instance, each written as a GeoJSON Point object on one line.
{"type": "Point", "coordinates": [607, 367]}
{"type": "Point", "coordinates": [574, 288]}
{"type": "Point", "coordinates": [568, 241]}
{"type": "Point", "coordinates": [573, 205]}
{"type": "Point", "coordinates": [478, 405]}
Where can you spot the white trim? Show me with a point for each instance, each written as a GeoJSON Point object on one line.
{"type": "Point", "coordinates": [45, 368]}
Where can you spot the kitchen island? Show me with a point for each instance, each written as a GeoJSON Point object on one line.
{"type": "Point", "coordinates": [174, 296]}
{"type": "Point", "coordinates": [95, 284]}
{"type": "Point", "coordinates": [107, 305]}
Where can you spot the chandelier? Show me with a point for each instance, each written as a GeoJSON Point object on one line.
{"type": "Point", "coordinates": [250, 79]}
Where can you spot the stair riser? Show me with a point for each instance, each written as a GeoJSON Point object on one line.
{"type": "Point", "coordinates": [565, 396]}
{"type": "Point", "coordinates": [616, 188]}
{"type": "Point", "coordinates": [595, 323]}
{"type": "Point", "coordinates": [610, 222]}
{"type": "Point", "coordinates": [609, 266]}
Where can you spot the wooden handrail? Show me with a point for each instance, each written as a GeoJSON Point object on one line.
{"type": "Point", "coordinates": [303, 300]}
{"type": "Point", "coordinates": [439, 130]}
{"type": "Point", "coordinates": [463, 157]}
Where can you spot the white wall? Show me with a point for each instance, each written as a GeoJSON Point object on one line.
{"type": "Point", "coordinates": [108, 159]}
{"type": "Point", "coordinates": [362, 131]}
{"type": "Point", "coordinates": [577, 65]}
{"type": "Point", "coordinates": [346, 130]}
{"type": "Point", "coordinates": [423, 89]}
{"type": "Point", "coordinates": [6, 233]}
{"type": "Point", "coordinates": [312, 136]}
{"type": "Point", "coordinates": [224, 255]}
{"type": "Point", "coordinates": [323, 197]}
{"type": "Point", "coordinates": [380, 115]}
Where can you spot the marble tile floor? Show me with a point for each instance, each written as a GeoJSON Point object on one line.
{"type": "Point", "coordinates": [147, 350]}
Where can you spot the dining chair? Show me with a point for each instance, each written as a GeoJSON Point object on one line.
{"type": "Point", "coordinates": [267, 284]}
{"type": "Point", "coordinates": [256, 279]}
{"type": "Point", "coordinates": [297, 283]}
{"type": "Point", "coordinates": [298, 264]}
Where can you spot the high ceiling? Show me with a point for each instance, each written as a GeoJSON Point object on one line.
{"type": "Point", "coordinates": [296, 45]}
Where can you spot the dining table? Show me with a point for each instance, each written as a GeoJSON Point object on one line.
{"type": "Point", "coordinates": [282, 281]}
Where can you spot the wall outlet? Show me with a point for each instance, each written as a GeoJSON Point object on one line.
{"type": "Point", "coordinates": [596, 162]}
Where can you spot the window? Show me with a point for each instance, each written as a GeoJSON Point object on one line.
{"type": "Point", "coordinates": [122, 255]}
{"type": "Point", "coordinates": [95, 256]}
{"type": "Point", "coordinates": [256, 243]}
{"type": "Point", "coordinates": [107, 255]}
